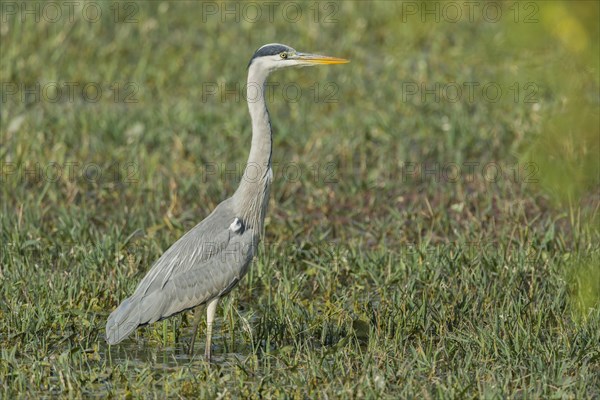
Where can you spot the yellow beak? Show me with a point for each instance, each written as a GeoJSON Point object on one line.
{"type": "Point", "coordinates": [316, 59]}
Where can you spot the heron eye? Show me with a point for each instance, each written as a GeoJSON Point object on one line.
{"type": "Point", "coordinates": [283, 55]}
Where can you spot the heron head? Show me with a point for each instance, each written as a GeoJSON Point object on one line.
{"type": "Point", "coordinates": [276, 56]}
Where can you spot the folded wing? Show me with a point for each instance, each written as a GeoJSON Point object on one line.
{"type": "Point", "coordinates": [206, 262]}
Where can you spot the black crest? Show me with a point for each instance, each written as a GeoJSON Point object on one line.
{"type": "Point", "coordinates": [270, 50]}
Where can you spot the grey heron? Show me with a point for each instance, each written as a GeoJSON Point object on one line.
{"type": "Point", "coordinates": [210, 259]}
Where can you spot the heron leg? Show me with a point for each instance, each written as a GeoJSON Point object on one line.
{"type": "Point", "coordinates": [211, 308]}
{"type": "Point", "coordinates": [197, 319]}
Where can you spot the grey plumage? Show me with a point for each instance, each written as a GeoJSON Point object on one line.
{"type": "Point", "coordinates": [209, 260]}
{"type": "Point", "coordinates": [206, 262]}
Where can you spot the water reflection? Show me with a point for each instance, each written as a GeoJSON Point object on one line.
{"type": "Point", "coordinates": [139, 352]}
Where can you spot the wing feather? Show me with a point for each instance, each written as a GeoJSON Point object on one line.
{"type": "Point", "coordinates": [206, 262]}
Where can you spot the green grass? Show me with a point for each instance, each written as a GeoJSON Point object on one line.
{"type": "Point", "coordinates": [385, 271]}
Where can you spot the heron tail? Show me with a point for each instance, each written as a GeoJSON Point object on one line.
{"type": "Point", "coordinates": [122, 321]}
{"type": "Point", "coordinates": [133, 312]}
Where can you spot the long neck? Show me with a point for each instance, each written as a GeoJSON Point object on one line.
{"type": "Point", "coordinates": [252, 196]}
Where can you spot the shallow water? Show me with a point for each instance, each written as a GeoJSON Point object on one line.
{"type": "Point", "coordinates": [141, 353]}
{"type": "Point", "coordinates": [141, 357]}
